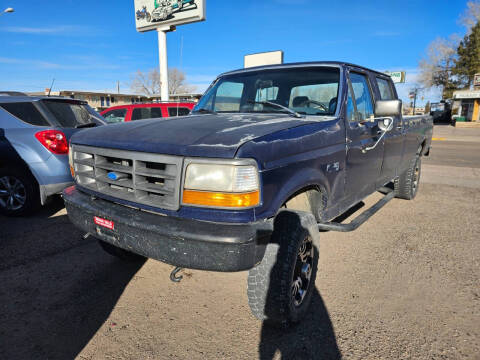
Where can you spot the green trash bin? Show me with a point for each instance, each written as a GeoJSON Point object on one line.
{"type": "Point", "coordinates": [461, 119]}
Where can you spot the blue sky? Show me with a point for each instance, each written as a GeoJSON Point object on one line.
{"type": "Point", "coordinates": [89, 45]}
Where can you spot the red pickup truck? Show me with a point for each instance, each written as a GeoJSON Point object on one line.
{"type": "Point", "coordinates": [133, 112]}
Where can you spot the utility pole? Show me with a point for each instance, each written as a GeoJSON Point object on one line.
{"type": "Point", "coordinates": [414, 100]}
{"type": "Point", "coordinates": [118, 87]}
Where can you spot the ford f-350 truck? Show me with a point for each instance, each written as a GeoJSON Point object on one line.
{"type": "Point", "coordinates": [269, 157]}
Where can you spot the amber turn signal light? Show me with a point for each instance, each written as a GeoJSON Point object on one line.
{"type": "Point", "coordinates": [233, 200]}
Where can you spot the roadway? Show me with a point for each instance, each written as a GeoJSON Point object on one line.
{"type": "Point", "coordinates": [404, 285]}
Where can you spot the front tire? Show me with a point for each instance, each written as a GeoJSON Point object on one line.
{"type": "Point", "coordinates": [280, 288]}
{"type": "Point", "coordinates": [19, 192]}
{"type": "Point", "coordinates": [121, 253]}
{"type": "Point", "coordinates": [406, 185]}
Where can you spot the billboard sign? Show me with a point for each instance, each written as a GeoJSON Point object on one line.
{"type": "Point", "coordinates": [397, 76]}
{"type": "Point", "coordinates": [264, 58]}
{"type": "Point", "coordinates": [476, 80]}
{"type": "Point", "coordinates": [152, 14]}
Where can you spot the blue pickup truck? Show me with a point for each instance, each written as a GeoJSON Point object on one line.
{"type": "Point", "coordinates": [270, 157]}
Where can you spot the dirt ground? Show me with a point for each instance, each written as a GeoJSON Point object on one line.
{"type": "Point", "coordinates": [405, 285]}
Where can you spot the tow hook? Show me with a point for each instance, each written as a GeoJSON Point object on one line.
{"type": "Point", "coordinates": [173, 274]}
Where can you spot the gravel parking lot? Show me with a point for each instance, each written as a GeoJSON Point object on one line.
{"type": "Point", "coordinates": [405, 285]}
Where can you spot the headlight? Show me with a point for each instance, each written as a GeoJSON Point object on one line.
{"type": "Point", "coordinates": [70, 161]}
{"type": "Point", "coordinates": [222, 184]}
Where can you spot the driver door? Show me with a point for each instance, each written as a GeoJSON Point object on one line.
{"type": "Point", "coordinates": [363, 167]}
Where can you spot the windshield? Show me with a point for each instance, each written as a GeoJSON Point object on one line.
{"type": "Point", "coordinates": [72, 114]}
{"type": "Point", "coordinates": [305, 90]}
{"type": "Point", "coordinates": [437, 107]}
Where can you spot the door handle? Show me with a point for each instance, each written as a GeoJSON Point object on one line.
{"type": "Point", "coordinates": [398, 127]}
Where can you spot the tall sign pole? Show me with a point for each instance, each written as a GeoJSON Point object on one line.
{"type": "Point", "coordinates": [164, 16]}
{"type": "Point", "coordinates": [162, 57]}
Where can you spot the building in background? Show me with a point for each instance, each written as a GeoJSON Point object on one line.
{"type": "Point", "coordinates": [103, 100]}
{"type": "Point", "coordinates": [468, 104]}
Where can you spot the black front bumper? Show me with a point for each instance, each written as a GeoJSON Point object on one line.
{"type": "Point", "coordinates": [180, 242]}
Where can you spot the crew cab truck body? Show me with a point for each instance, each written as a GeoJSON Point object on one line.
{"type": "Point", "coordinates": [267, 156]}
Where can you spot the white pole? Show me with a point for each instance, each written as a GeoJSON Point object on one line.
{"type": "Point", "coordinates": [162, 56]}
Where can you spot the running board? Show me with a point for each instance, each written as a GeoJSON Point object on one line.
{"type": "Point", "coordinates": [360, 219]}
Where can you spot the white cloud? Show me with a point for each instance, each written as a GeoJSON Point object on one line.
{"type": "Point", "coordinates": [49, 30]}
{"type": "Point", "coordinates": [88, 63]}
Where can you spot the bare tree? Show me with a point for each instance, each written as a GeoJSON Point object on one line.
{"type": "Point", "coordinates": [146, 83]}
{"type": "Point", "coordinates": [149, 83]}
{"type": "Point", "coordinates": [437, 64]}
{"type": "Point", "coordinates": [177, 82]}
{"type": "Point", "coordinates": [471, 15]}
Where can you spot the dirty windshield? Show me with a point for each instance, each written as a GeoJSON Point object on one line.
{"type": "Point", "coordinates": [305, 90]}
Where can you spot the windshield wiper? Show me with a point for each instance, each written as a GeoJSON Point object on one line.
{"type": "Point", "coordinates": [290, 111]}
{"type": "Point", "coordinates": [86, 125]}
{"type": "Point", "coordinates": [205, 111]}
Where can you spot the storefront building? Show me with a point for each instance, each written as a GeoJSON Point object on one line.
{"type": "Point", "coordinates": [468, 103]}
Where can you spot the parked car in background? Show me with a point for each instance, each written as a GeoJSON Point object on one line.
{"type": "Point", "coordinates": [134, 112]}
{"type": "Point", "coordinates": [34, 135]}
{"type": "Point", "coordinates": [441, 112]}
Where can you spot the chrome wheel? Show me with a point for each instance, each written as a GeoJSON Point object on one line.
{"type": "Point", "coordinates": [302, 272]}
{"type": "Point", "coordinates": [416, 175]}
{"type": "Point", "coordinates": [12, 193]}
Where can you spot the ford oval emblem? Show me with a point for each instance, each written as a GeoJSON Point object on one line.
{"type": "Point", "coordinates": [112, 175]}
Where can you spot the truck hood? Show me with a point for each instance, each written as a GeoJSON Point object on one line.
{"type": "Point", "coordinates": [206, 135]}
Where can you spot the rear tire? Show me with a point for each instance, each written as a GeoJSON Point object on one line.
{"type": "Point", "coordinates": [19, 192]}
{"type": "Point", "coordinates": [406, 185]}
{"type": "Point", "coordinates": [280, 288]}
{"type": "Point", "coordinates": [121, 253]}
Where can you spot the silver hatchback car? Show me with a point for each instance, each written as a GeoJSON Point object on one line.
{"type": "Point", "coordinates": [34, 135]}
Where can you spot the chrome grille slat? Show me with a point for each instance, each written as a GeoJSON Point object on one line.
{"type": "Point", "coordinates": [115, 167]}
{"type": "Point", "coordinates": [154, 173]}
{"type": "Point", "coordinates": [150, 179]}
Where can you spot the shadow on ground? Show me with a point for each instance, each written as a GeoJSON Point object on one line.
{"type": "Point", "coordinates": [314, 336]}
{"type": "Point", "coordinates": [57, 289]}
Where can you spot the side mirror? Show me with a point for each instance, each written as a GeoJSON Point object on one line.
{"type": "Point", "coordinates": [388, 108]}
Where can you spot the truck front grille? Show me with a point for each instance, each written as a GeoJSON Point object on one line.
{"type": "Point", "coordinates": [144, 178]}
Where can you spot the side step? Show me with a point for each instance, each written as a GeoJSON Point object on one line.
{"type": "Point", "coordinates": [360, 219]}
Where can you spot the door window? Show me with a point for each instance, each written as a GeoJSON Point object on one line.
{"type": "Point", "coordinates": [385, 89]}
{"type": "Point", "coordinates": [350, 107]}
{"type": "Point", "coordinates": [115, 116]}
{"type": "Point", "coordinates": [181, 111]}
{"type": "Point", "coordinates": [146, 113]}
{"type": "Point", "coordinates": [362, 96]}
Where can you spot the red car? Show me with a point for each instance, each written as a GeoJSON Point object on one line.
{"type": "Point", "coordinates": [133, 112]}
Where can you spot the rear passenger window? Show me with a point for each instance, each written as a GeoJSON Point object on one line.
{"type": "Point", "coordinates": [26, 112]}
{"type": "Point", "coordinates": [385, 89]}
{"type": "Point", "coordinates": [362, 96]}
{"type": "Point", "coordinates": [156, 112]}
{"type": "Point", "coordinates": [146, 113]}
{"type": "Point", "coordinates": [181, 111]}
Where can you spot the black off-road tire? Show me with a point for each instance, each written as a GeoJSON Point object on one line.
{"type": "Point", "coordinates": [31, 192]}
{"type": "Point", "coordinates": [270, 283]}
{"type": "Point", "coordinates": [121, 253]}
{"type": "Point", "coordinates": [406, 185]}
